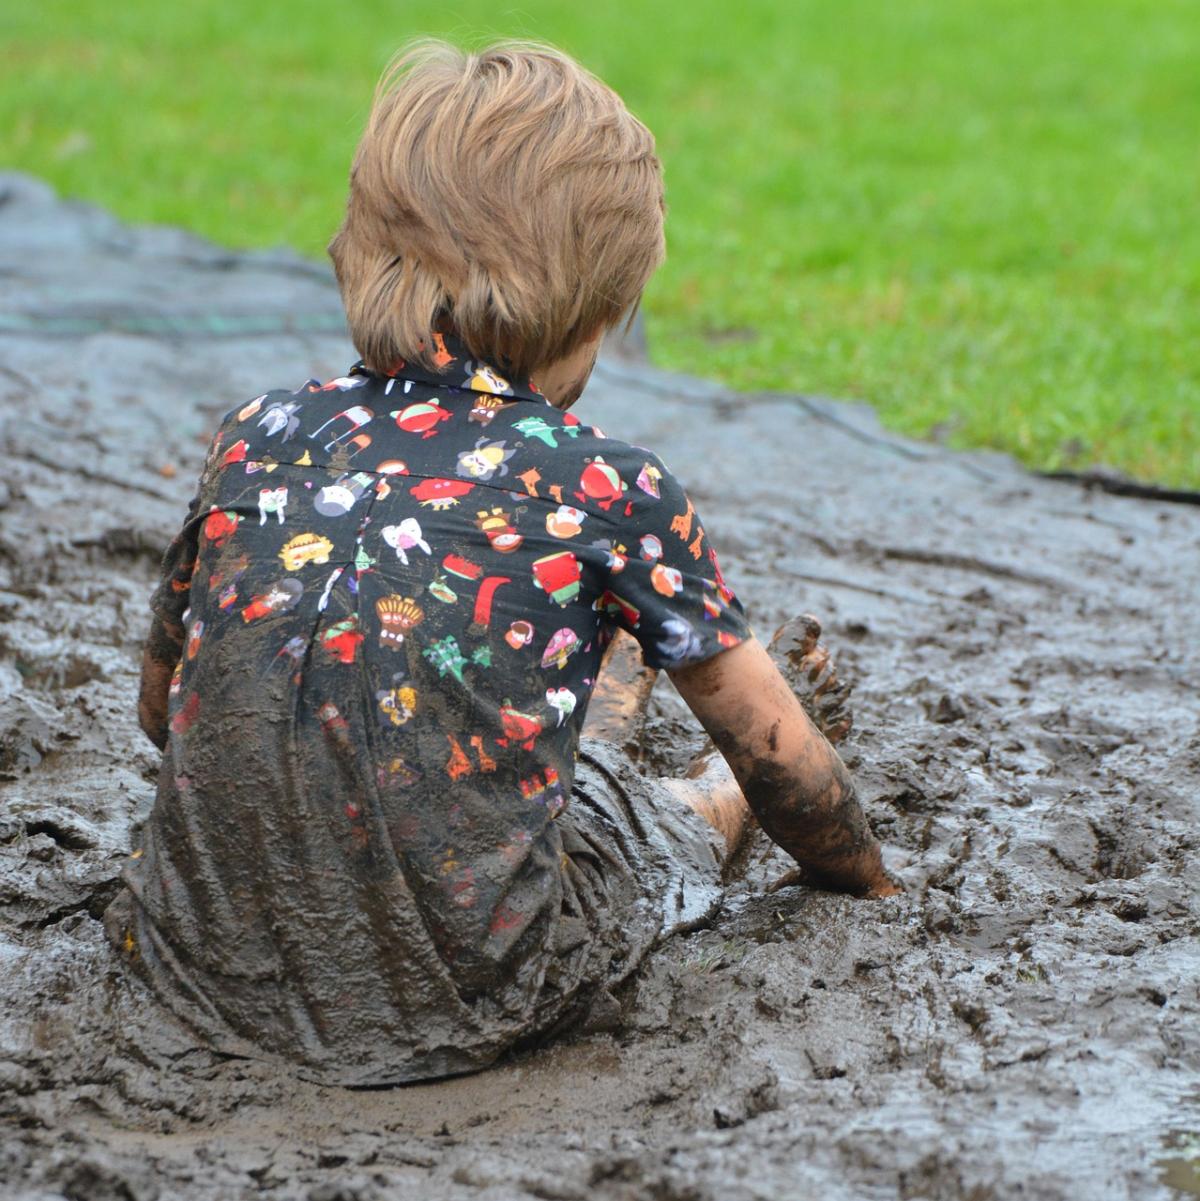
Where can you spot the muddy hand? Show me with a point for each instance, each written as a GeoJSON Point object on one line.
{"type": "Point", "coordinates": [810, 671]}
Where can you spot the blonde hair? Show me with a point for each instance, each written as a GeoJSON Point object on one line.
{"type": "Point", "coordinates": [509, 191]}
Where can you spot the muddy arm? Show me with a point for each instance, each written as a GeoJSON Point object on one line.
{"type": "Point", "coordinates": [164, 645]}
{"type": "Point", "coordinates": [794, 782]}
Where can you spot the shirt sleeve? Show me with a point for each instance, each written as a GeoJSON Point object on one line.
{"type": "Point", "coordinates": [172, 596]}
{"type": "Point", "coordinates": [664, 583]}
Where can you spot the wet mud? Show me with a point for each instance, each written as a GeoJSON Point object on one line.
{"type": "Point", "coordinates": [1023, 1022]}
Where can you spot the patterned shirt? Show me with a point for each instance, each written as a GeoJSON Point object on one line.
{"type": "Point", "coordinates": [396, 590]}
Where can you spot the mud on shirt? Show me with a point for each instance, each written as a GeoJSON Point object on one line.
{"type": "Point", "coordinates": [396, 591]}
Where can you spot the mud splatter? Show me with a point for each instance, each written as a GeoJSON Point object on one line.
{"type": "Point", "coordinates": [1023, 1022]}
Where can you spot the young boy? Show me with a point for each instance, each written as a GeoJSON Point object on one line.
{"type": "Point", "coordinates": [379, 848]}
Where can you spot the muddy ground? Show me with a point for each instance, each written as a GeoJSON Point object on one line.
{"type": "Point", "coordinates": [1023, 1023]}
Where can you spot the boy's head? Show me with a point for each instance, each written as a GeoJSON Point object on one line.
{"type": "Point", "coordinates": [506, 194]}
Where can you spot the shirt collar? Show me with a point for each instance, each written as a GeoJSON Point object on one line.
{"type": "Point", "coordinates": [459, 369]}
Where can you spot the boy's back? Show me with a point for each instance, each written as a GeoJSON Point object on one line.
{"type": "Point", "coordinates": [399, 590]}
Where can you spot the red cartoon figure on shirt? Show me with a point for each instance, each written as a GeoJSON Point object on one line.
{"type": "Point", "coordinates": [281, 596]}
{"type": "Point", "coordinates": [439, 493]}
{"type": "Point", "coordinates": [219, 526]}
{"type": "Point", "coordinates": [558, 575]}
{"type": "Point", "coordinates": [421, 417]}
{"type": "Point", "coordinates": [342, 638]}
{"type": "Point", "coordinates": [520, 728]}
{"type": "Point", "coordinates": [601, 483]}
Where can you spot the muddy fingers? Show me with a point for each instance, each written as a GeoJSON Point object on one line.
{"type": "Point", "coordinates": [808, 667]}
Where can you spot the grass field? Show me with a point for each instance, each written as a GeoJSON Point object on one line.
{"type": "Point", "coordinates": [981, 217]}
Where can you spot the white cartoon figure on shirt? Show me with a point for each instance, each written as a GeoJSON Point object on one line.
{"type": "Point", "coordinates": [563, 700]}
{"type": "Point", "coordinates": [281, 418]}
{"type": "Point", "coordinates": [355, 417]}
{"type": "Point", "coordinates": [272, 500]}
{"type": "Point", "coordinates": [405, 537]}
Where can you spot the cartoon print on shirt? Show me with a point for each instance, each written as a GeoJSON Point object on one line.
{"type": "Point", "coordinates": [398, 703]}
{"type": "Point", "coordinates": [485, 461]}
{"type": "Point", "coordinates": [338, 498]}
{"type": "Point", "coordinates": [398, 615]}
{"type": "Point", "coordinates": [341, 640]}
{"type": "Point", "coordinates": [279, 597]}
{"type": "Point", "coordinates": [498, 528]}
{"type": "Point", "coordinates": [219, 526]}
{"type": "Point", "coordinates": [562, 645]}
{"type": "Point", "coordinates": [563, 700]}
{"type": "Point", "coordinates": [421, 417]}
{"type": "Point", "coordinates": [558, 575]}
{"type": "Point", "coordinates": [600, 482]}
{"type": "Point", "coordinates": [648, 479]}
{"type": "Point", "coordinates": [272, 500]}
{"type": "Point", "coordinates": [538, 427]}
{"type": "Point", "coordinates": [520, 729]}
{"type": "Point", "coordinates": [565, 522]}
{"type": "Point", "coordinates": [355, 417]}
{"type": "Point", "coordinates": [305, 548]}
{"type": "Point", "coordinates": [483, 378]}
{"type": "Point", "coordinates": [439, 493]}
{"type": "Point", "coordinates": [281, 417]}
{"type": "Point", "coordinates": [405, 537]}
{"type": "Point", "coordinates": [485, 408]}
{"type": "Point", "coordinates": [520, 634]}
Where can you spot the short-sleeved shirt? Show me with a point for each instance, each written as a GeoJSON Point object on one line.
{"type": "Point", "coordinates": [396, 589]}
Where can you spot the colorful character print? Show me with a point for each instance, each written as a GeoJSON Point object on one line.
{"type": "Point", "coordinates": [681, 641]}
{"type": "Point", "coordinates": [488, 459]}
{"type": "Point", "coordinates": [612, 605]}
{"type": "Point", "coordinates": [338, 498]}
{"type": "Point", "coordinates": [520, 729]}
{"type": "Point", "coordinates": [219, 526]}
{"type": "Point", "coordinates": [341, 640]}
{"type": "Point", "coordinates": [421, 417]}
{"type": "Point", "coordinates": [651, 546]}
{"type": "Point", "coordinates": [446, 656]}
{"type": "Point", "coordinates": [354, 418]}
{"type": "Point", "coordinates": [520, 634]}
{"type": "Point", "coordinates": [538, 427]}
{"type": "Point", "coordinates": [283, 595]}
{"type": "Point", "coordinates": [648, 479]}
{"type": "Point", "coordinates": [272, 500]}
{"type": "Point", "coordinates": [600, 482]}
{"type": "Point", "coordinates": [438, 493]}
{"type": "Point", "coordinates": [405, 537]}
{"type": "Point", "coordinates": [497, 527]}
{"type": "Point", "coordinates": [558, 575]}
{"type": "Point", "coordinates": [545, 790]}
{"type": "Point", "coordinates": [562, 645]}
{"type": "Point", "coordinates": [668, 581]}
{"type": "Point", "coordinates": [565, 522]}
{"type": "Point", "coordinates": [483, 378]}
{"type": "Point", "coordinates": [397, 704]}
{"type": "Point", "coordinates": [280, 418]}
{"type": "Point", "coordinates": [305, 548]}
{"type": "Point", "coordinates": [398, 616]}
{"type": "Point", "coordinates": [562, 700]}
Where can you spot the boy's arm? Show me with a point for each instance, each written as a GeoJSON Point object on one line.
{"type": "Point", "coordinates": [792, 779]}
{"type": "Point", "coordinates": [164, 645]}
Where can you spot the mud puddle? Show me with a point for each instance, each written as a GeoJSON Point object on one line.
{"type": "Point", "coordinates": [1022, 1023]}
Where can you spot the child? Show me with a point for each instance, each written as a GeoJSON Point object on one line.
{"type": "Point", "coordinates": [380, 848]}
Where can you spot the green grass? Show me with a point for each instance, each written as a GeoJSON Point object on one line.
{"type": "Point", "coordinates": [978, 215]}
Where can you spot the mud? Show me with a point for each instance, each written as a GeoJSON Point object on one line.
{"type": "Point", "coordinates": [1022, 1023]}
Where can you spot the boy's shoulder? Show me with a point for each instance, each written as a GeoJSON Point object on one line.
{"type": "Point", "coordinates": [368, 423]}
